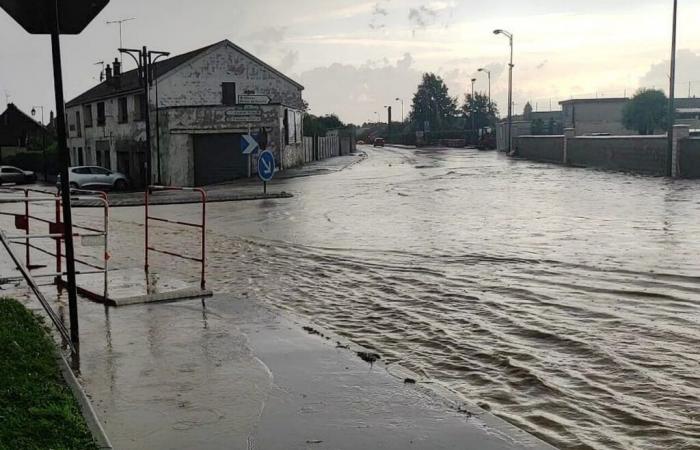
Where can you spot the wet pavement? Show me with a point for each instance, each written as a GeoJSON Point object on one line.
{"type": "Point", "coordinates": [566, 301]}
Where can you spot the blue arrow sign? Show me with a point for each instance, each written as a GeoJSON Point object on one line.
{"type": "Point", "coordinates": [248, 144]}
{"type": "Point", "coordinates": [266, 166]}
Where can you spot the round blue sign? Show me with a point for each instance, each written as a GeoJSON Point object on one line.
{"type": "Point", "coordinates": [266, 165]}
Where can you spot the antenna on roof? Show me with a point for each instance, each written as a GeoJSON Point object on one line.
{"type": "Point", "coordinates": [120, 22]}
{"type": "Point", "coordinates": [102, 69]}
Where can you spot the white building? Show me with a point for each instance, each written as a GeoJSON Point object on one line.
{"type": "Point", "coordinates": [201, 103]}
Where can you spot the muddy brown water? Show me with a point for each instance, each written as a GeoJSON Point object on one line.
{"type": "Point", "coordinates": [566, 301]}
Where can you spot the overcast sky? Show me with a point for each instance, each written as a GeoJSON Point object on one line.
{"type": "Point", "coordinates": [354, 57]}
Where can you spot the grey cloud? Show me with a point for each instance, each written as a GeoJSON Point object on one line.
{"type": "Point", "coordinates": [687, 70]}
{"type": "Point", "coordinates": [542, 64]}
{"type": "Point", "coordinates": [289, 60]}
{"type": "Point", "coordinates": [421, 17]}
{"type": "Point", "coordinates": [379, 11]}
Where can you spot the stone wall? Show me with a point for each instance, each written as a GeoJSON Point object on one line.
{"type": "Point", "coordinates": [639, 154]}
{"type": "Point", "coordinates": [541, 148]}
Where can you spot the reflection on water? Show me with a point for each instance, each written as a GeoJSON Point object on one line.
{"type": "Point", "coordinates": [566, 301]}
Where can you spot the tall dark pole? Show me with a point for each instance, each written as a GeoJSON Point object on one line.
{"type": "Point", "coordinates": [510, 98]}
{"type": "Point", "coordinates": [64, 162]}
{"type": "Point", "coordinates": [671, 95]}
{"type": "Point", "coordinates": [146, 78]}
{"type": "Point", "coordinates": [473, 112]}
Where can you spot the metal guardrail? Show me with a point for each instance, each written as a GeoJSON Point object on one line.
{"type": "Point", "coordinates": [202, 226]}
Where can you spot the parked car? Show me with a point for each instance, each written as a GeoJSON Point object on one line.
{"type": "Point", "coordinates": [10, 174]}
{"type": "Point", "coordinates": [379, 142]}
{"type": "Point", "coordinates": [93, 177]}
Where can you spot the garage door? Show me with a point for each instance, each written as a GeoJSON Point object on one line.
{"type": "Point", "coordinates": [218, 158]}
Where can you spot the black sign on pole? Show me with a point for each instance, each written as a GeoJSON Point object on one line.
{"type": "Point", "coordinates": [56, 17]}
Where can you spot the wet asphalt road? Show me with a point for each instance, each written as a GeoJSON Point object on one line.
{"type": "Point", "coordinates": [566, 301]}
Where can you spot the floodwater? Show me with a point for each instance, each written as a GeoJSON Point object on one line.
{"type": "Point", "coordinates": [566, 301]}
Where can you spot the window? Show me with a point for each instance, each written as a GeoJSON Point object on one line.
{"type": "Point", "coordinates": [78, 127]}
{"type": "Point", "coordinates": [82, 170]}
{"type": "Point", "coordinates": [139, 107]}
{"type": "Point", "coordinates": [228, 93]}
{"type": "Point", "coordinates": [292, 126]}
{"type": "Point", "coordinates": [122, 112]}
{"type": "Point", "coordinates": [98, 158]}
{"type": "Point", "coordinates": [81, 159]}
{"type": "Point", "coordinates": [99, 171]}
{"type": "Point", "coordinates": [87, 112]}
{"type": "Point", "coordinates": [101, 119]}
{"type": "Point", "coordinates": [10, 170]}
{"type": "Point", "coordinates": [286, 126]}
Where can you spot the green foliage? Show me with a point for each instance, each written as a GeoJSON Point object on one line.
{"type": "Point", "coordinates": [646, 112]}
{"type": "Point", "coordinates": [37, 409]}
{"type": "Point", "coordinates": [319, 126]}
{"type": "Point", "coordinates": [537, 127]}
{"type": "Point", "coordinates": [432, 103]}
{"type": "Point", "coordinates": [485, 112]}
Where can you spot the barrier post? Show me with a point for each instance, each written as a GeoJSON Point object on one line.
{"type": "Point", "coordinates": [26, 231]}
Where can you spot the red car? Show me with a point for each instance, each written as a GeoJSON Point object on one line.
{"type": "Point", "coordinates": [379, 142]}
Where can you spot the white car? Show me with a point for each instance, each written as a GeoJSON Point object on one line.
{"type": "Point", "coordinates": [93, 177]}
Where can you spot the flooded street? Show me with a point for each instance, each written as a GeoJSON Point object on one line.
{"type": "Point", "coordinates": [566, 301]}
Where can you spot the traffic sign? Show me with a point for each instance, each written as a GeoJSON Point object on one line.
{"type": "Point", "coordinates": [266, 166]}
{"type": "Point", "coordinates": [248, 144]}
{"type": "Point", "coordinates": [39, 16]}
{"type": "Point", "coordinates": [253, 99]}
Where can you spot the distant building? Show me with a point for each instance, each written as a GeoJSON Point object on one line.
{"type": "Point", "coordinates": [17, 130]}
{"type": "Point", "coordinates": [597, 115]}
{"type": "Point", "coordinates": [604, 115]}
{"type": "Point", "coordinates": [201, 103]}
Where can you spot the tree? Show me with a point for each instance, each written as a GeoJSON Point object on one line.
{"type": "Point", "coordinates": [485, 112]}
{"type": "Point", "coordinates": [527, 111]}
{"type": "Point", "coordinates": [314, 125]}
{"type": "Point", "coordinates": [433, 104]}
{"type": "Point", "coordinates": [646, 112]}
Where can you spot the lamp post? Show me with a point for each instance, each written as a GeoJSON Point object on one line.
{"type": "Point", "coordinates": [153, 76]}
{"type": "Point", "coordinates": [43, 139]}
{"type": "Point", "coordinates": [473, 112]}
{"type": "Point", "coordinates": [488, 72]}
{"type": "Point", "coordinates": [388, 118]}
{"type": "Point", "coordinates": [510, 87]}
{"type": "Point", "coordinates": [671, 95]}
{"type": "Point", "coordinates": [143, 62]}
{"type": "Point", "coordinates": [401, 100]}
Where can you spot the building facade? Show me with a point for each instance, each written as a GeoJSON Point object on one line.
{"type": "Point", "coordinates": [18, 131]}
{"type": "Point", "coordinates": [200, 103]}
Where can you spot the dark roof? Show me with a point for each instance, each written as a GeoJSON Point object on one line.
{"type": "Point", "coordinates": [129, 81]}
{"type": "Point", "coordinates": [16, 126]}
{"type": "Point", "coordinates": [595, 100]}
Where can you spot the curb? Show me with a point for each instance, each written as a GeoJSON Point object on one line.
{"type": "Point", "coordinates": [117, 203]}
{"type": "Point", "coordinates": [93, 422]}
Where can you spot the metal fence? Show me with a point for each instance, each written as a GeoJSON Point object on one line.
{"type": "Point", "coordinates": [317, 148]}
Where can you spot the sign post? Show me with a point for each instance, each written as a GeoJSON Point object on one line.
{"type": "Point", "coordinates": [56, 17]}
{"type": "Point", "coordinates": [266, 168]}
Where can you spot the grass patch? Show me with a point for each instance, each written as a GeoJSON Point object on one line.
{"type": "Point", "coordinates": [37, 408]}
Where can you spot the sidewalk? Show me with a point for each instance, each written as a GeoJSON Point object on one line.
{"type": "Point", "coordinates": [232, 373]}
{"type": "Point", "coordinates": [239, 190]}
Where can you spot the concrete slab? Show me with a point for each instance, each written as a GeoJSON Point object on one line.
{"type": "Point", "coordinates": [231, 373]}
{"type": "Point", "coordinates": [133, 286]}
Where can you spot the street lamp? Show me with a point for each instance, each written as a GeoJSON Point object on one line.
{"type": "Point", "coordinates": [153, 76]}
{"type": "Point", "coordinates": [388, 119]}
{"type": "Point", "coordinates": [488, 72]}
{"type": "Point", "coordinates": [401, 100]}
{"type": "Point", "coordinates": [671, 95]}
{"type": "Point", "coordinates": [143, 63]}
{"type": "Point", "coordinates": [43, 144]}
{"type": "Point", "coordinates": [473, 112]}
{"type": "Point", "coordinates": [510, 87]}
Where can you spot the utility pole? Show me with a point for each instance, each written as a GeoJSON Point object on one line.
{"type": "Point", "coordinates": [401, 100]}
{"type": "Point", "coordinates": [43, 135]}
{"type": "Point", "coordinates": [120, 22]}
{"type": "Point", "coordinates": [671, 95]}
{"type": "Point", "coordinates": [143, 58]}
{"type": "Point", "coordinates": [473, 113]}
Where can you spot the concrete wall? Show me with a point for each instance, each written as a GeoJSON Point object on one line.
{"type": "Point", "coordinates": [639, 154]}
{"type": "Point", "coordinates": [689, 158]}
{"type": "Point", "coordinates": [520, 128]}
{"type": "Point", "coordinates": [199, 81]}
{"type": "Point", "coordinates": [541, 148]}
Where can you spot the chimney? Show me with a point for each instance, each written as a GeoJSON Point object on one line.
{"type": "Point", "coordinates": [117, 68]}
{"type": "Point", "coordinates": [108, 74]}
